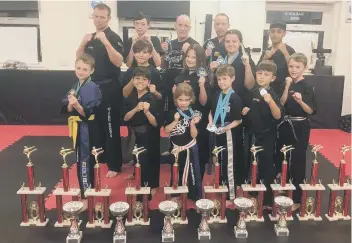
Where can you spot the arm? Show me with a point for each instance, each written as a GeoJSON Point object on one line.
{"type": "Point", "coordinates": [285, 94]}
{"type": "Point", "coordinates": [69, 108]}
{"type": "Point", "coordinates": [306, 108]}
{"type": "Point", "coordinates": [130, 114]}
{"type": "Point", "coordinates": [168, 129]}
{"type": "Point", "coordinates": [83, 44]}
{"type": "Point", "coordinates": [114, 56]}
{"type": "Point", "coordinates": [79, 109]}
{"type": "Point", "coordinates": [203, 97]}
{"type": "Point", "coordinates": [232, 125]}
{"type": "Point", "coordinates": [151, 118]}
{"type": "Point", "coordinates": [275, 110]}
{"type": "Point", "coordinates": [129, 59]}
{"type": "Point", "coordinates": [156, 58]}
{"type": "Point", "coordinates": [249, 70]}
{"type": "Point", "coordinates": [210, 118]}
{"type": "Point", "coordinates": [193, 129]}
{"type": "Point", "coordinates": [127, 90]}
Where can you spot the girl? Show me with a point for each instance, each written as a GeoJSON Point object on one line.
{"type": "Point", "coordinates": [181, 125]}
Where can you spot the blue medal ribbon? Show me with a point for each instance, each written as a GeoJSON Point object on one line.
{"type": "Point", "coordinates": [184, 115]}
{"type": "Point", "coordinates": [221, 107]}
{"type": "Point", "coordinates": [233, 58]}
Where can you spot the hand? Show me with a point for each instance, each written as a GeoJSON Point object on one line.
{"type": "Point", "coordinates": [245, 111]}
{"type": "Point", "coordinates": [165, 46]}
{"type": "Point", "coordinates": [245, 60]}
{"type": "Point", "coordinates": [221, 130]}
{"type": "Point", "coordinates": [185, 47]}
{"type": "Point", "coordinates": [173, 89]}
{"type": "Point", "coordinates": [213, 65]}
{"type": "Point", "coordinates": [177, 116]}
{"type": "Point", "coordinates": [298, 97]}
{"type": "Point", "coordinates": [201, 82]}
{"type": "Point", "coordinates": [140, 106]}
{"type": "Point", "coordinates": [146, 107]}
{"type": "Point", "coordinates": [195, 120]}
{"type": "Point", "coordinates": [288, 81]}
{"type": "Point", "coordinates": [208, 52]}
{"type": "Point", "coordinates": [267, 98]}
{"type": "Point", "coordinates": [72, 100]}
{"type": "Point", "coordinates": [147, 38]}
{"type": "Point", "coordinates": [269, 54]}
{"type": "Point", "coordinates": [102, 37]}
{"type": "Point", "coordinates": [282, 47]}
{"type": "Point", "coordinates": [86, 38]}
{"type": "Point", "coordinates": [152, 88]}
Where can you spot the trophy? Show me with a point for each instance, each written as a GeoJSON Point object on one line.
{"type": "Point", "coordinates": [218, 214]}
{"type": "Point", "coordinates": [256, 214]}
{"type": "Point", "coordinates": [178, 217]}
{"type": "Point", "coordinates": [168, 208]}
{"type": "Point", "coordinates": [310, 207]}
{"type": "Point", "coordinates": [71, 210]}
{"type": "Point", "coordinates": [338, 205]}
{"type": "Point", "coordinates": [284, 204]}
{"type": "Point", "coordinates": [100, 211]}
{"type": "Point", "coordinates": [243, 205]}
{"type": "Point", "coordinates": [210, 47]}
{"type": "Point", "coordinates": [34, 213]}
{"type": "Point", "coordinates": [138, 211]}
{"type": "Point", "coordinates": [204, 206]}
{"type": "Point", "coordinates": [119, 210]}
{"type": "Point", "coordinates": [283, 186]}
{"type": "Point", "coordinates": [65, 191]}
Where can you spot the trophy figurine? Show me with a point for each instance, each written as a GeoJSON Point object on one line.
{"type": "Point", "coordinates": [204, 206]}
{"type": "Point", "coordinates": [339, 205]}
{"type": "Point", "coordinates": [288, 188]}
{"type": "Point", "coordinates": [210, 47]}
{"type": "Point", "coordinates": [168, 208]}
{"type": "Point", "coordinates": [219, 192]}
{"type": "Point", "coordinates": [71, 210]}
{"type": "Point", "coordinates": [119, 210]}
{"type": "Point", "coordinates": [34, 214]}
{"type": "Point", "coordinates": [66, 190]}
{"type": "Point", "coordinates": [243, 205]}
{"type": "Point", "coordinates": [254, 188]}
{"type": "Point", "coordinates": [310, 207]}
{"type": "Point", "coordinates": [175, 189]}
{"type": "Point", "coordinates": [100, 211]}
{"type": "Point", "coordinates": [284, 204]}
{"type": "Point", "coordinates": [138, 211]}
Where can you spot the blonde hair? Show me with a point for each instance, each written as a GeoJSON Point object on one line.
{"type": "Point", "coordinates": [299, 57]}
{"type": "Point", "coordinates": [225, 70]}
{"type": "Point", "coordinates": [86, 59]}
{"type": "Point", "coordinates": [184, 89]}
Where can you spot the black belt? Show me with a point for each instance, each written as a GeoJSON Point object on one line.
{"type": "Point", "coordinates": [289, 119]}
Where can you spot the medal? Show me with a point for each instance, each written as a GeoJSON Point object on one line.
{"type": "Point", "coordinates": [220, 60]}
{"type": "Point", "coordinates": [201, 72]}
{"type": "Point", "coordinates": [262, 92]}
{"type": "Point", "coordinates": [216, 53]}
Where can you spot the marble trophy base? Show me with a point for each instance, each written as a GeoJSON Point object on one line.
{"type": "Point", "coordinates": [168, 237]}
{"type": "Point", "coordinates": [240, 233]}
{"type": "Point", "coordinates": [337, 217]}
{"type": "Point", "coordinates": [137, 222]}
{"type": "Point", "coordinates": [204, 236]}
{"type": "Point", "coordinates": [255, 218]}
{"type": "Point", "coordinates": [309, 217]}
{"type": "Point", "coordinates": [216, 220]}
{"type": "Point", "coordinates": [281, 232]}
{"type": "Point", "coordinates": [75, 239]}
{"type": "Point", "coordinates": [65, 223]}
{"type": "Point", "coordinates": [120, 238]}
{"type": "Point", "coordinates": [131, 191]}
{"type": "Point", "coordinates": [257, 188]}
{"type": "Point", "coordinates": [277, 218]}
{"type": "Point", "coordinates": [278, 187]}
{"type": "Point", "coordinates": [337, 187]}
{"type": "Point", "coordinates": [73, 192]}
{"type": "Point", "coordinates": [32, 222]}
{"type": "Point", "coordinates": [179, 190]}
{"type": "Point", "coordinates": [220, 190]}
{"type": "Point", "coordinates": [99, 224]}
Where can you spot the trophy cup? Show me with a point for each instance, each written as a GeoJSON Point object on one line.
{"type": "Point", "coordinates": [178, 218]}
{"type": "Point", "coordinates": [138, 211]}
{"type": "Point", "coordinates": [256, 214]}
{"type": "Point", "coordinates": [283, 186]}
{"type": "Point", "coordinates": [218, 215]}
{"type": "Point", "coordinates": [65, 191]}
{"type": "Point", "coordinates": [34, 214]}
{"type": "Point", "coordinates": [284, 204]}
{"type": "Point", "coordinates": [338, 206]}
{"type": "Point", "coordinates": [243, 205]}
{"type": "Point", "coordinates": [119, 210]}
{"type": "Point", "coordinates": [204, 206]}
{"type": "Point", "coordinates": [168, 208]}
{"type": "Point", "coordinates": [310, 207]}
{"type": "Point", "coordinates": [71, 210]}
{"type": "Point", "coordinates": [100, 211]}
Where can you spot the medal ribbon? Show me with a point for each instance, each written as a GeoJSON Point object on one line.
{"type": "Point", "coordinates": [184, 115]}
{"type": "Point", "coordinates": [221, 107]}
{"type": "Point", "coordinates": [233, 58]}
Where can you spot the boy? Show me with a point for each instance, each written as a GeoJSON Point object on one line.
{"type": "Point", "coordinates": [81, 103]}
{"type": "Point", "coordinates": [264, 112]}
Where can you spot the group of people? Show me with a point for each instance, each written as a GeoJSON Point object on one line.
{"type": "Point", "coordinates": [206, 96]}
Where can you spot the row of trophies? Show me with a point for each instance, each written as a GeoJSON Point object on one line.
{"type": "Point", "coordinates": [212, 208]}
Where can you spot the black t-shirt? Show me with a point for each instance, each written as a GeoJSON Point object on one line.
{"type": "Point", "coordinates": [104, 68]}
{"type": "Point", "coordinates": [181, 134]}
{"type": "Point", "coordinates": [219, 49]}
{"type": "Point", "coordinates": [157, 46]}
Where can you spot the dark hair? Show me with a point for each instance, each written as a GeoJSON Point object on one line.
{"type": "Point", "coordinates": [239, 35]}
{"type": "Point", "coordinates": [268, 66]}
{"type": "Point", "coordinates": [142, 45]}
{"type": "Point", "coordinates": [223, 15]}
{"type": "Point", "coordinates": [299, 57]}
{"type": "Point", "coordinates": [141, 16]}
{"type": "Point", "coordinates": [278, 24]}
{"type": "Point", "coordinates": [225, 70]}
{"type": "Point", "coordinates": [184, 89]}
{"type": "Point", "coordinates": [200, 55]}
{"type": "Point", "coordinates": [103, 6]}
{"type": "Point", "coordinates": [141, 72]}
{"type": "Point", "coordinates": [87, 59]}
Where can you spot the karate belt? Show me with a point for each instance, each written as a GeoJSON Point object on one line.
{"type": "Point", "coordinates": [188, 160]}
{"type": "Point", "coordinates": [289, 119]}
{"type": "Point", "coordinates": [73, 126]}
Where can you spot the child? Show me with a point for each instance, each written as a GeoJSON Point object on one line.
{"type": "Point", "coordinates": [181, 126]}
{"type": "Point", "coordinates": [141, 115]}
{"type": "Point", "coordinates": [225, 116]}
{"type": "Point", "coordinates": [81, 103]}
{"type": "Point", "coordinates": [298, 99]}
{"type": "Point", "coordinates": [264, 113]}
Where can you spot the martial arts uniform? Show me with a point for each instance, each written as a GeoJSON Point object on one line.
{"type": "Point", "coordinates": [84, 130]}
{"type": "Point", "coordinates": [218, 50]}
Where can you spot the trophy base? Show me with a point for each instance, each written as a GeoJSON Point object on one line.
{"type": "Point", "coordinates": [311, 217]}
{"type": "Point", "coordinates": [32, 222]}
{"type": "Point", "coordinates": [278, 187]}
{"type": "Point", "coordinates": [337, 187]}
{"type": "Point", "coordinates": [257, 188]}
{"type": "Point", "coordinates": [25, 190]}
{"type": "Point", "coordinates": [98, 224]}
{"type": "Point", "coordinates": [217, 220]}
{"type": "Point", "coordinates": [168, 237]}
{"type": "Point", "coordinates": [254, 218]}
{"type": "Point", "coordinates": [74, 192]}
{"type": "Point", "coordinates": [211, 189]}
{"type": "Point", "coordinates": [120, 238]}
{"type": "Point", "coordinates": [272, 218]}
{"type": "Point", "coordinates": [102, 193]}
{"type": "Point", "coordinates": [280, 231]}
{"type": "Point", "coordinates": [65, 223]}
{"type": "Point", "coordinates": [240, 233]}
{"type": "Point", "coordinates": [336, 218]}
{"type": "Point", "coordinates": [179, 221]}
{"type": "Point", "coordinates": [204, 235]}
{"type": "Point", "coordinates": [133, 191]}
{"type": "Point", "coordinates": [137, 222]}
{"type": "Point", "coordinates": [307, 187]}
{"type": "Point", "coordinates": [178, 190]}
{"type": "Point", "coordinates": [76, 239]}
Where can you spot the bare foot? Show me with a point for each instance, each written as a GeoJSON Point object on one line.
{"type": "Point", "coordinates": [295, 206]}
{"type": "Point", "coordinates": [129, 177]}
{"type": "Point", "coordinates": [111, 174]}
{"type": "Point", "coordinates": [153, 192]}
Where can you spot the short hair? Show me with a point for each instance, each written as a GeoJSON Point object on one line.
{"type": "Point", "coordinates": [141, 16]}
{"type": "Point", "coordinates": [183, 16]}
{"type": "Point", "coordinates": [299, 57]}
{"type": "Point", "coordinates": [86, 59]}
{"type": "Point", "coordinates": [225, 70]}
{"type": "Point", "coordinates": [142, 45]}
{"type": "Point", "coordinates": [223, 15]}
{"type": "Point", "coordinates": [200, 55]}
{"type": "Point", "coordinates": [268, 66]}
{"type": "Point", "coordinates": [103, 6]}
{"type": "Point", "coordinates": [141, 72]}
{"type": "Point", "coordinates": [278, 24]}
{"type": "Point", "coordinates": [184, 89]}
{"type": "Point", "coordinates": [235, 32]}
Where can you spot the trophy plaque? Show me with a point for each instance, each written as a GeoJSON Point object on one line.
{"type": "Point", "coordinates": [34, 213]}
{"type": "Point", "coordinates": [256, 190]}
{"type": "Point", "coordinates": [338, 205]}
{"type": "Point", "coordinates": [119, 210]}
{"type": "Point", "coordinates": [243, 205]}
{"type": "Point", "coordinates": [310, 207]}
{"type": "Point", "coordinates": [138, 211]}
{"type": "Point", "coordinates": [204, 206]}
{"type": "Point", "coordinates": [98, 213]}
{"type": "Point", "coordinates": [179, 217]}
{"type": "Point", "coordinates": [71, 211]}
{"type": "Point", "coordinates": [65, 191]}
{"type": "Point", "coordinates": [168, 208]}
{"type": "Point", "coordinates": [283, 186]}
{"type": "Point", "coordinates": [218, 192]}
{"type": "Point", "coordinates": [284, 204]}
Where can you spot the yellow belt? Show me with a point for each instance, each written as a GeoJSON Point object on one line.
{"type": "Point", "coordinates": [73, 126]}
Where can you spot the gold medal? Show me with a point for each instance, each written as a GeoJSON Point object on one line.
{"type": "Point", "coordinates": [216, 53]}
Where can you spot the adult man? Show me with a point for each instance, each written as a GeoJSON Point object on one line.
{"type": "Point", "coordinates": [106, 48]}
{"type": "Point", "coordinates": [279, 53]}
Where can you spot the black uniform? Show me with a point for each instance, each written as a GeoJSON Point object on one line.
{"type": "Point", "coordinates": [106, 75]}
{"type": "Point", "coordinates": [296, 135]}
{"type": "Point", "coordinates": [219, 49]}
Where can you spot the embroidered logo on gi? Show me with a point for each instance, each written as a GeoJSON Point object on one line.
{"type": "Point", "coordinates": [187, 81]}
{"type": "Point", "coordinates": [257, 100]}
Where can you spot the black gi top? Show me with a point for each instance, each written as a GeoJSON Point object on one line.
{"type": "Point", "coordinates": [181, 134]}
{"type": "Point", "coordinates": [219, 49]}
